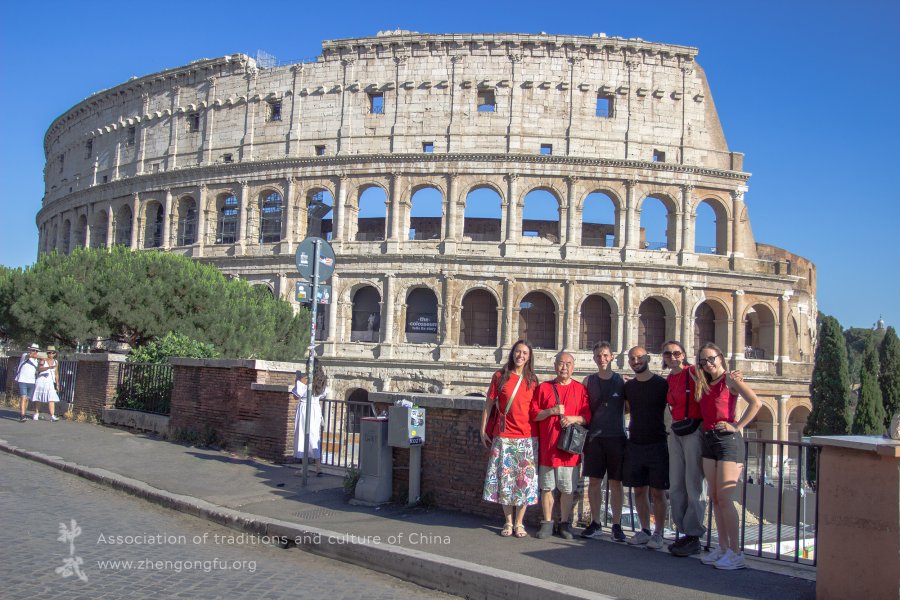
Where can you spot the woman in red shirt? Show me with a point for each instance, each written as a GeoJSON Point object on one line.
{"type": "Point", "coordinates": [723, 448]}
{"type": "Point", "coordinates": [511, 479]}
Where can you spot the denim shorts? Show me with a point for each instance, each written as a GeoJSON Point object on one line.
{"type": "Point", "coordinates": [26, 389]}
{"type": "Point", "coordinates": [723, 446]}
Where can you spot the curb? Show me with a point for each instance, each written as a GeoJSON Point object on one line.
{"type": "Point", "coordinates": [444, 574]}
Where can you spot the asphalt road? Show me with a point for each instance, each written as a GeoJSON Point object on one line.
{"type": "Point", "coordinates": [64, 537]}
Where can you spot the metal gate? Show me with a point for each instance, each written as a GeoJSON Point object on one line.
{"type": "Point", "coordinates": [67, 371]}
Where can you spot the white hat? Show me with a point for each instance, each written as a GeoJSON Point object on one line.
{"type": "Point", "coordinates": [34, 347]}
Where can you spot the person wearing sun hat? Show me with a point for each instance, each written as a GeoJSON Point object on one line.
{"type": "Point", "coordinates": [26, 373]}
{"type": "Point", "coordinates": [45, 386]}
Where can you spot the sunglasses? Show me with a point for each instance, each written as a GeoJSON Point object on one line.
{"type": "Point", "coordinates": [675, 353]}
{"type": "Point", "coordinates": [711, 361]}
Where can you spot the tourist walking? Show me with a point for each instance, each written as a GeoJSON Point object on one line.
{"type": "Point", "coordinates": [46, 384]}
{"type": "Point", "coordinates": [723, 448]}
{"type": "Point", "coordinates": [26, 375]}
{"type": "Point", "coordinates": [511, 478]}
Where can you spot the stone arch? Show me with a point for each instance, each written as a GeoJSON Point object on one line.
{"type": "Point", "coordinates": [80, 233]}
{"type": "Point", "coordinates": [656, 317]}
{"type": "Point", "coordinates": [358, 406]}
{"type": "Point", "coordinates": [371, 218]}
{"type": "Point", "coordinates": [655, 223]}
{"type": "Point", "coordinates": [426, 212]}
{"type": "Point", "coordinates": [99, 229]}
{"type": "Point", "coordinates": [537, 207]}
{"type": "Point", "coordinates": [228, 217]}
{"type": "Point", "coordinates": [65, 245]}
{"type": "Point", "coordinates": [796, 421]}
{"type": "Point", "coordinates": [421, 324]}
{"type": "Point", "coordinates": [124, 218]}
{"type": "Point", "coordinates": [595, 320]}
{"type": "Point", "coordinates": [600, 220]}
{"type": "Point", "coordinates": [710, 324]}
{"type": "Point", "coordinates": [365, 322]}
{"type": "Point", "coordinates": [760, 428]}
{"type": "Point", "coordinates": [760, 331]}
{"type": "Point", "coordinates": [483, 213]}
{"type": "Point", "coordinates": [186, 215]}
{"type": "Point", "coordinates": [478, 318]}
{"type": "Point", "coordinates": [154, 218]}
{"type": "Point", "coordinates": [710, 232]}
{"type": "Point", "coordinates": [271, 216]}
{"type": "Point", "coordinates": [320, 212]}
{"type": "Point", "coordinates": [538, 319]}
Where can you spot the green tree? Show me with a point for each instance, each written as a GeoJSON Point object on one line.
{"type": "Point", "coordinates": [171, 345]}
{"type": "Point", "coordinates": [857, 339]}
{"type": "Point", "coordinates": [136, 297]}
{"type": "Point", "coordinates": [830, 387]}
{"type": "Point", "coordinates": [889, 355]}
{"type": "Point", "coordinates": [869, 416]}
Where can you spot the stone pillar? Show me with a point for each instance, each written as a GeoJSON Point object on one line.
{"type": "Point", "coordinates": [167, 221]}
{"type": "Point", "coordinates": [782, 430]}
{"type": "Point", "coordinates": [140, 139]}
{"type": "Point", "coordinates": [568, 333]}
{"type": "Point", "coordinates": [334, 334]}
{"type": "Point", "coordinates": [201, 219]}
{"type": "Point", "coordinates": [89, 214]}
{"type": "Point", "coordinates": [387, 318]}
{"type": "Point", "coordinates": [338, 211]}
{"type": "Point", "coordinates": [737, 341]}
{"type": "Point", "coordinates": [394, 214]}
{"type": "Point", "coordinates": [293, 141]}
{"type": "Point", "coordinates": [135, 220]}
{"type": "Point", "coordinates": [450, 227]}
{"type": "Point", "coordinates": [444, 300]}
{"type": "Point", "coordinates": [110, 225]}
{"type": "Point", "coordinates": [686, 320]}
{"type": "Point", "coordinates": [686, 242]}
{"type": "Point", "coordinates": [289, 208]}
{"type": "Point", "coordinates": [571, 238]}
{"type": "Point", "coordinates": [628, 339]}
{"type": "Point", "coordinates": [783, 311]}
{"type": "Point", "coordinates": [172, 159]}
{"type": "Point", "coordinates": [247, 140]}
{"type": "Point", "coordinates": [512, 214]}
{"type": "Point", "coordinates": [632, 228]}
{"type": "Point", "coordinates": [507, 334]}
{"type": "Point", "coordinates": [738, 208]}
{"type": "Point", "coordinates": [243, 215]}
{"type": "Point", "coordinates": [209, 116]}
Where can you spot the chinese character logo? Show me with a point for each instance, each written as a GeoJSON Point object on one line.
{"type": "Point", "coordinates": [71, 564]}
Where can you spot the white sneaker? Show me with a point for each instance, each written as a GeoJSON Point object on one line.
{"type": "Point", "coordinates": [639, 539]}
{"type": "Point", "coordinates": [713, 556]}
{"type": "Point", "coordinates": [656, 541]}
{"type": "Point", "coordinates": [36, 417]}
{"type": "Point", "coordinates": [731, 561]}
{"type": "Point", "coordinates": [54, 418]}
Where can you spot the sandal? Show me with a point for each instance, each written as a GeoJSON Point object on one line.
{"type": "Point", "coordinates": [520, 531]}
{"type": "Point", "coordinates": [507, 530]}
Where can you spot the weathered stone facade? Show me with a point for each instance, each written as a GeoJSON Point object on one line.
{"type": "Point", "coordinates": [235, 164]}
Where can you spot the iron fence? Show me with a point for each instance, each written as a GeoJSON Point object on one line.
{"type": "Point", "coordinates": [67, 370]}
{"type": "Point", "coordinates": [145, 387]}
{"type": "Point", "coordinates": [340, 431]}
{"type": "Point", "coordinates": [4, 364]}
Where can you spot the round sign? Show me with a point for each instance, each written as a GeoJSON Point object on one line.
{"type": "Point", "coordinates": [304, 258]}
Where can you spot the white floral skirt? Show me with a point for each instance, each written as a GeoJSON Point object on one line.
{"type": "Point", "coordinates": [512, 477]}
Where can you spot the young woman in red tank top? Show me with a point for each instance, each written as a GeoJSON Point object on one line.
{"type": "Point", "coordinates": [723, 448]}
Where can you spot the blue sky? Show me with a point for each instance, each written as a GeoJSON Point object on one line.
{"type": "Point", "coordinates": [807, 90]}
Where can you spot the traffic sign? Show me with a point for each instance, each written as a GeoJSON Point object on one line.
{"type": "Point", "coordinates": [303, 293]}
{"type": "Point", "coordinates": [304, 258]}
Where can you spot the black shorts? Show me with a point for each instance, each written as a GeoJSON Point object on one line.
{"type": "Point", "coordinates": [647, 464]}
{"type": "Point", "coordinates": [604, 456]}
{"type": "Point", "coordinates": [723, 446]}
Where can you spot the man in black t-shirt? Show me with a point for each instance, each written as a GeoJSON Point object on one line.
{"type": "Point", "coordinates": [605, 449]}
{"type": "Point", "coordinates": [647, 451]}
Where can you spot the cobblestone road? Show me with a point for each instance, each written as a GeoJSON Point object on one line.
{"type": "Point", "coordinates": [134, 549]}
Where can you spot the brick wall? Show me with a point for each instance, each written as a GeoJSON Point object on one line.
{"type": "Point", "coordinates": [95, 382]}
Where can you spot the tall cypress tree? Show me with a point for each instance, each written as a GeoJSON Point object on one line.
{"type": "Point", "coordinates": [890, 374]}
{"type": "Point", "coordinates": [830, 387]}
{"type": "Point", "coordinates": [869, 417]}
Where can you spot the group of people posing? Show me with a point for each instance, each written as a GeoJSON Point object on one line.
{"type": "Point", "coordinates": [38, 377]}
{"type": "Point", "coordinates": [704, 443]}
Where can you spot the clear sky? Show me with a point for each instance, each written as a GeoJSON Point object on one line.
{"type": "Point", "coordinates": [807, 90]}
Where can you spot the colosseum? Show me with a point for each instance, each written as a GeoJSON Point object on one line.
{"type": "Point", "coordinates": [475, 188]}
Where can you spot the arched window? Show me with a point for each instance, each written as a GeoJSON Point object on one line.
{"type": "Point", "coordinates": [598, 222]}
{"type": "Point", "coordinates": [537, 320]}
{"type": "Point", "coordinates": [705, 230]}
{"type": "Point", "coordinates": [154, 230]}
{"type": "Point", "coordinates": [596, 322]}
{"type": "Point", "coordinates": [270, 211]}
{"type": "Point", "coordinates": [540, 216]}
{"type": "Point", "coordinates": [704, 325]}
{"type": "Point", "coordinates": [478, 322]}
{"type": "Point", "coordinates": [99, 230]}
{"type": "Point", "coordinates": [759, 333]}
{"type": "Point", "coordinates": [657, 223]}
{"type": "Point", "coordinates": [81, 232]}
{"type": "Point", "coordinates": [652, 325]}
{"type": "Point", "coordinates": [421, 317]}
{"type": "Point", "coordinates": [370, 225]}
{"type": "Point", "coordinates": [425, 214]}
{"type": "Point", "coordinates": [357, 407]}
{"type": "Point", "coordinates": [187, 221]}
{"type": "Point", "coordinates": [319, 206]}
{"type": "Point", "coordinates": [66, 246]}
{"type": "Point", "coordinates": [482, 217]}
{"type": "Point", "coordinates": [365, 323]}
{"type": "Point", "coordinates": [123, 226]}
{"type": "Point", "coordinates": [229, 214]}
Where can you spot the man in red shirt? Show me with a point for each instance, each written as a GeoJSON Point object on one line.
{"type": "Point", "coordinates": [557, 404]}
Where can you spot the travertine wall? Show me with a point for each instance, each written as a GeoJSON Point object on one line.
{"type": "Point", "coordinates": [128, 164]}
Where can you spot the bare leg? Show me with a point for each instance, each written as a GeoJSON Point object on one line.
{"type": "Point", "coordinates": [520, 514]}
{"type": "Point", "coordinates": [642, 503]}
{"type": "Point", "coordinates": [565, 507]}
{"type": "Point", "coordinates": [728, 474]}
{"type": "Point", "coordinates": [23, 405]}
{"type": "Point", "coordinates": [594, 496]}
{"type": "Point", "coordinates": [52, 408]}
{"type": "Point", "coordinates": [547, 504]}
{"type": "Point", "coordinates": [616, 499]}
{"type": "Point", "coordinates": [710, 471]}
{"type": "Point", "coordinates": [659, 509]}
{"type": "Point", "coordinates": [508, 513]}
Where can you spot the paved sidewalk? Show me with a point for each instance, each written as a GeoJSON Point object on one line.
{"type": "Point", "coordinates": [447, 551]}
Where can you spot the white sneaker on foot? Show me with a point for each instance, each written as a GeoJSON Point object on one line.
{"type": "Point", "coordinates": [713, 556]}
{"type": "Point", "coordinates": [640, 538]}
{"type": "Point", "coordinates": [731, 561]}
{"type": "Point", "coordinates": [54, 418]}
{"type": "Point", "coordinates": [36, 417]}
{"type": "Point", "coordinates": [656, 541]}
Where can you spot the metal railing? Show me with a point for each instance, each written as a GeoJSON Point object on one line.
{"type": "Point", "coordinates": [656, 245]}
{"type": "Point", "coordinates": [340, 431]}
{"type": "Point", "coordinates": [145, 387]}
{"type": "Point", "coordinates": [68, 369]}
{"type": "Point", "coordinates": [4, 364]}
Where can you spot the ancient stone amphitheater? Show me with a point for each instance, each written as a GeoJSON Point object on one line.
{"type": "Point", "coordinates": [476, 189]}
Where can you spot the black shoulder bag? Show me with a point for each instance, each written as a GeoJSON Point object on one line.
{"type": "Point", "coordinates": [572, 437]}
{"type": "Point", "coordinates": [686, 426]}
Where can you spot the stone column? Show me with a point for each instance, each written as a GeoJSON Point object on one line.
{"type": "Point", "coordinates": [338, 210]}
{"type": "Point", "coordinates": [89, 214]}
{"type": "Point", "coordinates": [387, 318]}
{"type": "Point", "coordinates": [450, 227]}
{"type": "Point", "coordinates": [243, 216]}
{"type": "Point", "coordinates": [737, 342]}
{"type": "Point", "coordinates": [686, 320]}
{"type": "Point", "coordinates": [628, 324]}
{"type": "Point", "coordinates": [140, 138]}
{"type": "Point", "coordinates": [783, 311]}
{"type": "Point", "coordinates": [135, 220]}
{"type": "Point", "coordinates": [444, 301]}
{"type": "Point", "coordinates": [110, 226]}
{"type": "Point", "coordinates": [247, 140]}
{"type": "Point", "coordinates": [507, 334]}
{"type": "Point", "coordinates": [782, 430]}
{"type": "Point", "coordinates": [201, 219]}
{"type": "Point", "coordinates": [573, 234]}
{"type": "Point", "coordinates": [686, 241]}
{"type": "Point", "coordinates": [167, 221]}
{"type": "Point", "coordinates": [512, 214]}
{"type": "Point", "coordinates": [289, 208]}
{"type": "Point", "coordinates": [333, 334]}
{"type": "Point", "coordinates": [172, 159]}
{"type": "Point", "coordinates": [632, 229]}
{"type": "Point", "coordinates": [293, 141]}
{"type": "Point", "coordinates": [394, 216]}
{"type": "Point", "coordinates": [209, 116]}
{"type": "Point", "coordinates": [568, 333]}
{"type": "Point", "coordinates": [738, 208]}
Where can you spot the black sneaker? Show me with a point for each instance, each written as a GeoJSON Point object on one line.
{"type": "Point", "coordinates": [679, 542]}
{"type": "Point", "coordinates": [690, 546]}
{"type": "Point", "coordinates": [565, 532]}
{"type": "Point", "coordinates": [546, 530]}
{"type": "Point", "coordinates": [23, 420]}
{"type": "Point", "coordinates": [617, 533]}
{"type": "Point", "coordinates": [594, 530]}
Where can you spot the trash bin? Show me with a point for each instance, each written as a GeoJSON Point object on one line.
{"type": "Point", "coordinates": [375, 464]}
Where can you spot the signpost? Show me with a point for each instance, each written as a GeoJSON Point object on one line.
{"type": "Point", "coordinates": [315, 261]}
